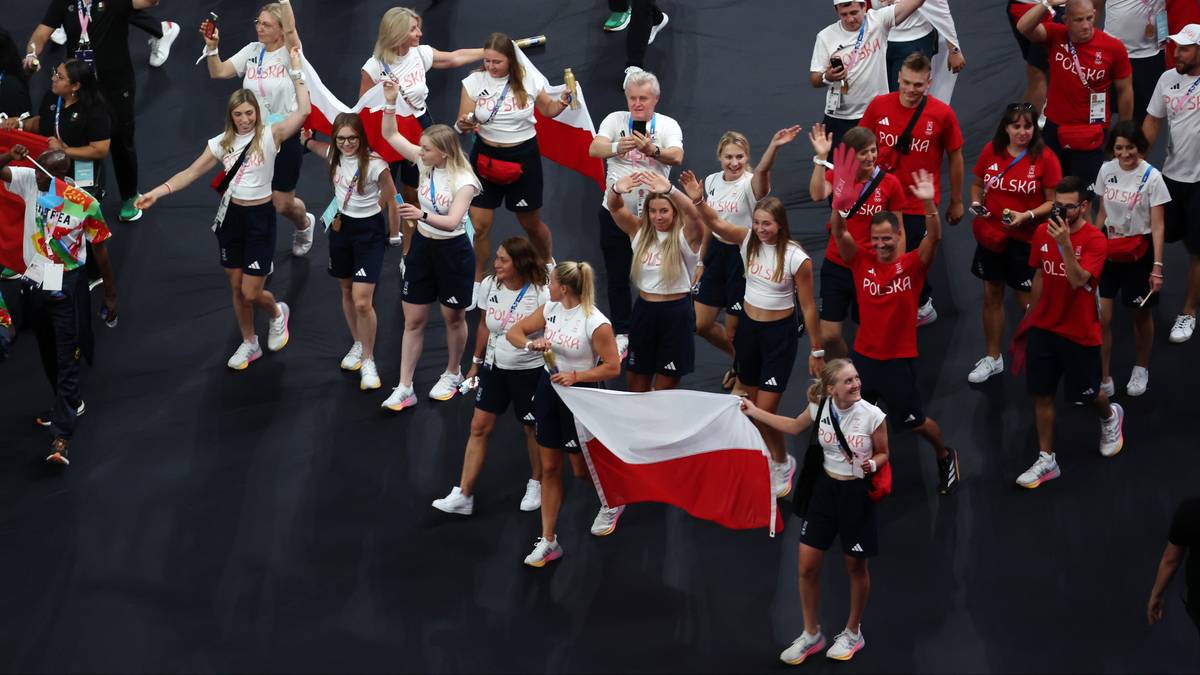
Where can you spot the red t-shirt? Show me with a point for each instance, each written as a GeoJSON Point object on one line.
{"type": "Point", "coordinates": [1016, 10]}
{"type": "Point", "coordinates": [888, 295]}
{"type": "Point", "coordinates": [936, 133]}
{"type": "Point", "coordinates": [1104, 60]}
{"type": "Point", "coordinates": [1073, 313]}
{"type": "Point", "coordinates": [1022, 188]}
{"type": "Point", "coordinates": [888, 196]}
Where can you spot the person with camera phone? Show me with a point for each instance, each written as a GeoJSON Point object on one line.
{"type": "Point", "coordinates": [1063, 326]}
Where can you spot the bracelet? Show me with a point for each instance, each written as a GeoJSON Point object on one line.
{"type": "Point", "coordinates": [699, 201]}
{"type": "Point", "coordinates": [1156, 274]}
{"type": "Point", "coordinates": [818, 353]}
{"type": "Point", "coordinates": [527, 343]}
{"type": "Point", "coordinates": [167, 185]}
{"type": "Point", "coordinates": [389, 107]}
{"type": "Point", "coordinates": [1157, 264]}
{"type": "Point", "coordinates": [931, 215]}
{"type": "Point", "coordinates": [305, 143]}
{"type": "Point", "coordinates": [476, 360]}
{"type": "Point", "coordinates": [616, 148]}
{"type": "Point", "coordinates": [1030, 214]}
{"type": "Point", "coordinates": [821, 162]}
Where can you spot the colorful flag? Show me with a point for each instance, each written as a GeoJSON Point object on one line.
{"type": "Point", "coordinates": [564, 140]}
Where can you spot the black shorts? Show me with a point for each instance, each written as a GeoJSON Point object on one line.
{"type": "Point", "coordinates": [894, 383]}
{"type": "Point", "coordinates": [723, 281]}
{"type": "Point", "coordinates": [837, 292]}
{"type": "Point", "coordinates": [246, 239]}
{"type": "Point", "coordinates": [499, 387]}
{"type": "Point", "coordinates": [662, 337]}
{"type": "Point", "coordinates": [287, 165]}
{"type": "Point", "coordinates": [1010, 266]}
{"type": "Point", "coordinates": [1131, 279]}
{"type": "Point", "coordinates": [356, 252]}
{"type": "Point", "coordinates": [838, 127]}
{"type": "Point", "coordinates": [766, 352]}
{"type": "Point", "coordinates": [523, 194]}
{"type": "Point", "coordinates": [841, 508]}
{"type": "Point", "coordinates": [405, 172]}
{"type": "Point", "coordinates": [555, 425]}
{"type": "Point", "coordinates": [439, 269]}
{"type": "Point", "coordinates": [1183, 214]}
{"type": "Point", "coordinates": [1051, 357]}
{"type": "Point", "coordinates": [1033, 53]}
{"type": "Point", "coordinates": [1084, 164]}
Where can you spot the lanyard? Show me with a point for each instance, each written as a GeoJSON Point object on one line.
{"type": "Point", "coordinates": [858, 43]}
{"type": "Point", "coordinates": [1193, 87]}
{"type": "Point", "coordinates": [1000, 176]}
{"type": "Point", "coordinates": [649, 127]}
{"type": "Point", "coordinates": [85, 18]}
{"type": "Point", "coordinates": [1137, 195]}
{"type": "Point", "coordinates": [1078, 67]}
{"type": "Point", "coordinates": [262, 55]}
{"type": "Point", "coordinates": [496, 108]}
{"type": "Point", "coordinates": [868, 183]}
{"type": "Point", "coordinates": [508, 315]}
{"type": "Point", "coordinates": [57, 114]}
{"type": "Point", "coordinates": [433, 193]}
{"type": "Point", "coordinates": [350, 191]}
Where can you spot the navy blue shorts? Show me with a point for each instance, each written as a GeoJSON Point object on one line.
{"type": "Point", "coordinates": [555, 425]}
{"type": "Point", "coordinates": [837, 292]}
{"type": "Point", "coordinates": [723, 281]}
{"type": "Point", "coordinates": [766, 352]}
{"type": "Point", "coordinates": [356, 252]}
{"type": "Point", "coordinates": [499, 387]}
{"type": "Point", "coordinates": [523, 194]}
{"type": "Point", "coordinates": [1051, 357]}
{"type": "Point", "coordinates": [662, 337]}
{"type": "Point", "coordinates": [1010, 266]}
{"type": "Point", "coordinates": [287, 165]}
{"type": "Point", "coordinates": [439, 269]}
{"type": "Point", "coordinates": [841, 508]}
{"type": "Point", "coordinates": [894, 383]}
{"type": "Point", "coordinates": [246, 239]}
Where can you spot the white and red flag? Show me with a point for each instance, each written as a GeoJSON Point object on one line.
{"type": "Point", "coordinates": [691, 449]}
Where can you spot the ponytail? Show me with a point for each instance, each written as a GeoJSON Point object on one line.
{"type": "Point", "coordinates": [581, 280]}
{"type": "Point", "coordinates": [819, 388]}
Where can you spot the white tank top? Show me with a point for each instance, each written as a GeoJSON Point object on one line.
{"type": "Point", "coordinates": [732, 200]}
{"type": "Point", "coordinates": [761, 289]}
{"type": "Point", "coordinates": [570, 334]}
{"type": "Point", "coordinates": [650, 277]}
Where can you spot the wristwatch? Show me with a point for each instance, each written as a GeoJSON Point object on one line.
{"type": "Point", "coordinates": [657, 151]}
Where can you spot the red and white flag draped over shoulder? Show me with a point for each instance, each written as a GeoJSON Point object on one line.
{"type": "Point", "coordinates": [691, 449]}
{"type": "Point", "coordinates": [12, 207]}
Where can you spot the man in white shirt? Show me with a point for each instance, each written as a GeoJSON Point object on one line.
{"type": "Point", "coordinates": [1176, 99]}
{"type": "Point", "coordinates": [850, 59]}
{"type": "Point", "coordinates": [631, 141]}
{"type": "Point", "coordinates": [930, 31]}
{"type": "Point", "coordinates": [1142, 26]}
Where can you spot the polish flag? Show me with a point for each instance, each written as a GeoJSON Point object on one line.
{"type": "Point", "coordinates": [565, 139]}
{"type": "Point", "coordinates": [12, 207]}
{"type": "Point", "coordinates": [690, 449]}
{"type": "Point", "coordinates": [326, 106]}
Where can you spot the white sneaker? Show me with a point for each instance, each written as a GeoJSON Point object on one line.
{"type": "Point", "coordinates": [59, 36]}
{"type": "Point", "coordinates": [402, 397]}
{"type": "Point", "coordinates": [446, 387]}
{"type": "Point", "coordinates": [985, 368]}
{"type": "Point", "coordinates": [1108, 388]}
{"type": "Point", "coordinates": [606, 521]}
{"type": "Point", "coordinates": [160, 48]}
{"type": "Point", "coordinates": [544, 552]}
{"type": "Point", "coordinates": [781, 476]}
{"type": "Point", "coordinates": [1182, 330]}
{"type": "Point", "coordinates": [368, 377]}
{"type": "Point", "coordinates": [277, 331]}
{"type": "Point", "coordinates": [302, 240]}
{"type": "Point", "coordinates": [622, 346]}
{"type": "Point", "coordinates": [845, 645]}
{"type": "Point", "coordinates": [352, 361]}
{"type": "Point", "coordinates": [1139, 381]}
{"type": "Point", "coordinates": [455, 502]}
{"type": "Point", "coordinates": [1044, 469]}
{"type": "Point", "coordinates": [532, 501]}
{"type": "Point", "coordinates": [926, 315]}
{"type": "Point", "coordinates": [803, 647]}
{"type": "Point", "coordinates": [1111, 437]}
{"type": "Point", "coordinates": [474, 297]}
{"type": "Point", "coordinates": [658, 28]}
{"type": "Point", "coordinates": [246, 352]}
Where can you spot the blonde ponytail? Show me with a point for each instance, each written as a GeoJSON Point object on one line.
{"type": "Point", "coordinates": [581, 280]}
{"type": "Point", "coordinates": [819, 388]}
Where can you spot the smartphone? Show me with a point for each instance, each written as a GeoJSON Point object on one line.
{"type": "Point", "coordinates": [980, 210]}
{"type": "Point", "coordinates": [836, 62]}
{"type": "Point", "coordinates": [640, 126]}
{"type": "Point", "coordinates": [210, 25]}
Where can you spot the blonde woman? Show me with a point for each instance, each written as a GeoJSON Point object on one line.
{"type": "Point", "coordinates": [666, 249]}
{"type": "Point", "coordinates": [245, 223]}
{"type": "Point", "coordinates": [585, 354]}
{"type": "Point", "coordinates": [440, 263]}
{"type": "Point", "coordinates": [265, 70]}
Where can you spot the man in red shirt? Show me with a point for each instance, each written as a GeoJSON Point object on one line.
{"type": "Point", "coordinates": [1068, 254]}
{"type": "Point", "coordinates": [1085, 64]}
{"type": "Point", "coordinates": [931, 130]}
{"type": "Point", "coordinates": [887, 285]}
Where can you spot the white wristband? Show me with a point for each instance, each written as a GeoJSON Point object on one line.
{"type": "Point", "coordinates": [616, 147]}
{"type": "Point", "coordinates": [874, 468]}
{"type": "Point", "coordinates": [818, 353]}
{"type": "Point", "coordinates": [821, 162]}
{"type": "Point", "coordinates": [476, 360]}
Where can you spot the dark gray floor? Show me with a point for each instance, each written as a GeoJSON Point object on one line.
{"type": "Point", "coordinates": [275, 520]}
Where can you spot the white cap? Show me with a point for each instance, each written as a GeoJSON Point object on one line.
{"type": "Point", "coordinates": [1190, 35]}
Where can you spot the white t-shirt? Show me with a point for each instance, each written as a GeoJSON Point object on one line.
{"type": "Point", "coordinates": [914, 27]}
{"type": "Point", "coordinates": [1126, 20]}
{"type": "Point", "coordinates": [570, 334]}
{"type": "Point", "coordinates": [664, 131]}
{"type": "Point", "coordinates": [502, 315]}
{"type": "Point", "coordinates": [1121, 191]}
{"type": "Point", "coordinates": [857, 423]}
{"type": "Point", "coordinates": [511, 124]}
{"type": "Point", "coordinates": [436, 183]}
{"type": "Point", "coordinates": [650, 276]}
{"type": "Point", "coordinates": [1177, 99]}
{"type": "Point", "coordinates": [733, 200]}
{"type": "Point", "coordinates": [269, 80]}
{"type": "Point", "coordinates": [345, 190]}
{"type": "Point", "coordinates": [24, 185]}
{"type": "Point", "coordinates": [253, 180]}
{"type": "Point", "coordinates": [867, 66]}
{"type": "Point", "coordinates": [761, 289]}
{"type": "Point", "coordinates": [409, 71]}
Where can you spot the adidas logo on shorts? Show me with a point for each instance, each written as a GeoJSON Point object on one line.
{"type": "Point", "coordinates": [452, 300]}
{"type": "Point", "coordinates": [571, 444]}
{"type": "Point", "coordinates": [771, 383]}
{"type": "Point", "coordinates": [522, 203]}
{"type": "Point", "coordinates": [910, 418]}
{"type": "Point", "coordinates": [737, 306]}
{"type": "Point", "coordinates": [669, 366]}
{"type": "Point", "coordinates": [528, 417]}
{"type": "Point", "coordinates": [857, 548]}
{"type": "Point", "coordinates": [362, 272]}
{"type": "Point", "coordinates": [253, 266]}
